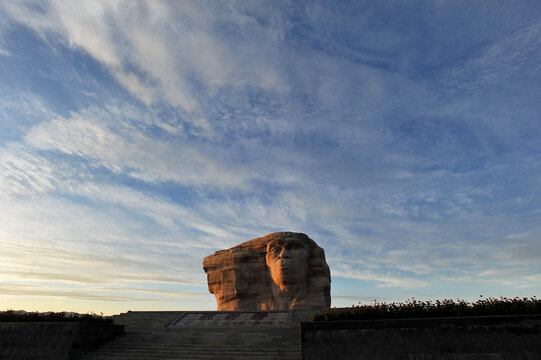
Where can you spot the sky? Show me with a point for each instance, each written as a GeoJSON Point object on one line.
{"type": "Point", "coordinates": [138, 137]}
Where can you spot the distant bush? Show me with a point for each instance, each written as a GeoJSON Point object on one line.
{"type": "Point", "coordinates": [424, 309]}
{"type": "Point", "coordinates": [16, 316]}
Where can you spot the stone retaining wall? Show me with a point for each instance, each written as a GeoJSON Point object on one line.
{"type": "Point", "coordinates": [466, 338]}
{"type": "Point", "coordinates": [52, 340]}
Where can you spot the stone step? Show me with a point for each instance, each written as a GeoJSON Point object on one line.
{"type": "Point", "coordinates": [201, 347]}
{"type": "Point", "coordinates": [230, 339]}
{"type": "Point", "coordinates": [188, 354]}
{"type": "Point", "coordinates": [246, 355]}
{"type": "Point", "coordinates": [195, 356]}
{"type": "Point", "coordinates": [208, 352]}
{"type": "Point", "coordinates": [170, 337]}
{"type": "Point", "coordinates": [189, 357]}
{"type": "Point", "coordinates": [292, 338]}
{"type": "Point", "coordinates": [220, 345]}
{"type": "Point", "coordinates": [159, 352]}
{"type": "Point", "coordinates": [191, 342]}
{"type": "Point", "coordinates": [144, 346]}
{"type": "Point", "coordinates": [214, 332]}
{"type": "Point", "coordinates": [191, 352]}
{"type": "Point", "coordinates": [236, 345]}
{"type": "Point", "coordinates": [224, 349]}
{"type": "Point", "coordinates": [199, 351]}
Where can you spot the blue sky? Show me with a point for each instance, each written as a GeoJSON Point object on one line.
{"type": "Point", "coordinates": [137, 137]}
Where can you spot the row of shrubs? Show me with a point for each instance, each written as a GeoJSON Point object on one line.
{"type": "Point", "coordinates": [423, 309]}
{"type": "Point", "coordinates": [16, 316]}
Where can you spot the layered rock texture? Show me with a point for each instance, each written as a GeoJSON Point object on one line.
{"type": "Point", "coordinates": [280, 271]}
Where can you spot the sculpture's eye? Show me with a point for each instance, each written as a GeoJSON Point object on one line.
{"type": "Point", "coordinates": [273, 249]}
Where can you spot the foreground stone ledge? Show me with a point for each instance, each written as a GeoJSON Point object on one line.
{"type": "Point", "coordinates": [53, 340]}
{"type": "Point", "coordinates": [460, 338]}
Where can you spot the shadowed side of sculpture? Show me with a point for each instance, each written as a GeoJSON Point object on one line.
{"type": "Point", "coordinates": [280, 271]}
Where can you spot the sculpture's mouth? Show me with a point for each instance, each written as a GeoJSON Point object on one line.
{"type": "Point", "coordinates": [283, 266]}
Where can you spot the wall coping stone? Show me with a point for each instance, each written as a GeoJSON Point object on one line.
{"type": "Point", "coordinates": [418, 322]}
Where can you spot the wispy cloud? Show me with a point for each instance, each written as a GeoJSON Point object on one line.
{"type": "Point", "coordinates": [103, 294]}
{"type": "Point", "coordinates": [138, 137]}
{"type": "Point", "coordinates": [155, 62]}
{"type": "Point", "coordinates": [384, 280]}
{"type": "Point", "coordinates": [126, 149]}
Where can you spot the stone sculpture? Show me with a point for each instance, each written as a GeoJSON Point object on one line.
{"type": "Point", "coordinates": [280, 271]}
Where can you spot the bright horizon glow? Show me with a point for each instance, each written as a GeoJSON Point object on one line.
{"type": "Point", "coordinates": [136, 138]}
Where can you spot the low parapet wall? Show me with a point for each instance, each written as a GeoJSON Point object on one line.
{"type": "Point", "coordinates": [53, 340]}
{"type": "Point", "coordinates": [465, 338]}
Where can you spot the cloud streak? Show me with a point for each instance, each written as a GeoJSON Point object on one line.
{"type": "Point", "coordinates": [138, 137]}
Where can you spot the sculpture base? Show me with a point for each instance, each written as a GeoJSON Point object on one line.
{"type": "Point", "coordinates": [234, 319]}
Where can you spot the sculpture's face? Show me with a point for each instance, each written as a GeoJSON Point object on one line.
{"type": "Point", "coordinates": [287, 260]}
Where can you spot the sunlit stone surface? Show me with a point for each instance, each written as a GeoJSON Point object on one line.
{"type": "Point", "coordinates": [279, 271]}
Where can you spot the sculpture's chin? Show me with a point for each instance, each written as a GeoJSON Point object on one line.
{"type": "Point", "coordinates": [286, 271]}
{"type": "Point", "coordinates": [287, 280]}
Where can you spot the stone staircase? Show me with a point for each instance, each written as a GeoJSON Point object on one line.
{"type": "Point", "coordinates": [148, 337]}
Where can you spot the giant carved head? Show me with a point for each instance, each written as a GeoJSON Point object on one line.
{"type": "Point", "coordinates": [246, 277]}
